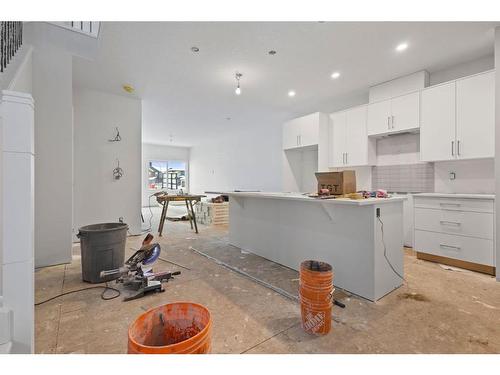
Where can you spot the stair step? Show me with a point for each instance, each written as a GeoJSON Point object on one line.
{"type": "Point", "coordinates": [6, 348]}
{"type": "Point", "coordinates": [5, 325]}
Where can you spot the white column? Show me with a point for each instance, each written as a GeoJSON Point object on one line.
{"type": "Point", "coordinates": [497, 147]}
{"type": "Point", "coordinates": [17, 112]}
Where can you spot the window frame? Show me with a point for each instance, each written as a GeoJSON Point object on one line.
{"type": "Point", "coordinates": [150, 160]}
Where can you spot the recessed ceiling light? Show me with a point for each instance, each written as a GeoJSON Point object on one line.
{"type": "Point", "coordinates": [401, 47]}
{"type": "Point", "coordinates": [195, 49]}
{"type": "Point", "coordinates": [291, 93]}
{"type": "Point", "coordinates": [128, 88]}
{"type": "Point", "coordinates": [272, 52]}
{"type": "Point", "coordinates": [335, 75]}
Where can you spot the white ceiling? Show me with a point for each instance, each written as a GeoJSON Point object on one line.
{"type": "Point", "coordinates": [189, 96]}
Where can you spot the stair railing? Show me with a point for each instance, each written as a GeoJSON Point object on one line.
{"type": "Point", "coordinates": [11, 39]}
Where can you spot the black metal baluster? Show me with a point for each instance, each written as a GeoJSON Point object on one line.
{"type": "Point", "coordinates": [1, 46]}
{"type": "Point", "coordinates": [11, 39]}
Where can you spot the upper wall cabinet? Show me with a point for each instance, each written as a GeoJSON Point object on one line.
{"type": "Point", "coordinates": [476, 116]}
{"type": "Point", "coordinates": [437, 129]}
{"type": "Point", "coordinates": [301, 132]}
{"type": "Point", "coordinates": [396, 115]}
{"type": "Point", "coordinates": [458, 119]}
{"type": "Point", "coordinates": [349, 143]}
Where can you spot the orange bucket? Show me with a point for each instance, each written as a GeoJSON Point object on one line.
{"type": "Point", "coordinates": [174, 328]}
{"type": "Point", "coordinates": [315, 293]}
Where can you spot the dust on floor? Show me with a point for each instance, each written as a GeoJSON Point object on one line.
{"type": "Point", "coordinates": [436, 311]}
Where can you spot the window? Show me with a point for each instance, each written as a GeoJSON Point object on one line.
{"type": "Point", "coordinates": [166, 175]}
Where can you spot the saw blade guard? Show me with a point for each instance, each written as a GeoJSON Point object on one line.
{"type": "Point", "coordinates": [155, 254]}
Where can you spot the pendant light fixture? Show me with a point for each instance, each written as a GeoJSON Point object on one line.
{"type": "Point", "coordinates": [238, 89]}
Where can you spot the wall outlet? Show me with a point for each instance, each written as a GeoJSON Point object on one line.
{"type": "Point", "coordinates": [452, 175]}
{"type": "Point", "coordinates": [378, 211]}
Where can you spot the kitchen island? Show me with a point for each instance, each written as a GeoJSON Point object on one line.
{"type": "Point", "coordinates": [289, 228]}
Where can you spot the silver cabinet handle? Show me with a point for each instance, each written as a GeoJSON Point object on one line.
{"type": "Point", "coordinates": [444, 222]}
{"type": "Point", "coordinates": [392, 119]}
{"type": "Point", "coordinates": [388, 122]}
{"type": "Point", "coordinates": [346, 158]}
{"type": "Point", "coordinates": [452, 148]}
{"type": "Point", "coordinates": [449, 246]}
{"type": "Point", "coordinates": [343, 158]}
{"type": "Point", "coordinates": [458, 148]}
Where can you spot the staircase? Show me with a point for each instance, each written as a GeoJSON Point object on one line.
{"type": "Point", "coordinates": [11, 40]}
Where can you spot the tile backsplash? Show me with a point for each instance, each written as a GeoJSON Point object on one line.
{"type": "Point", "coordinates": [414, 178]}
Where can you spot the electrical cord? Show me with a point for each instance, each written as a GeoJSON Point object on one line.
{"type": "Point", "coordinates": [106, 288]}
{"type": "Point", "coordinates": [385, 250]}
{"type": "Point", "coordinates": [151, 215]}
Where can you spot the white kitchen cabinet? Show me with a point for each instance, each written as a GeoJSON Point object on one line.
{"type": "Point", "coordinates": [301, 132]}
{"type": "Point", "coordinates": [476, 116]}
{"type": "Point", "coordinates": [394, 115]}
{"type": "Point", "coordinates": [379, 117]}
{"type": "Point", "coordinates": [338, 137]}
{"type": "Point", "coordinates": [350, 145]}
{"type": "Point", "coordinates": [291, 135]}
{"type": "Point", "coordinates": [458, 119]}
{"type": "Point", "coordinates": [405, 112]}
{"type": "Point", "coordinates": [437, 127]}
{"type": "Point", "coordinates": [456, 231]}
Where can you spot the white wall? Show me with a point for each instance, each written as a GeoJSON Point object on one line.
{"type": "Point", "coordinates": [250, 159]}
{"type": "Point", "coordinates": [299, 168]}
{"type": "Point", "coordinates": [472, 176]}
{"type": "Point", "coordinates": [160, 152]}
{"type": "Point", "coordinates": [97, 196]}
{"type": "Point", "coordinates": [497, 145]}
{"type": "Point", "coordinates": [52, 91]}
{"type": "Point", "coordinates": [23, 78]}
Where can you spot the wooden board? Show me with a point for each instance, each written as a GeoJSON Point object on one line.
{"type": "Point", "coordinates": [490, 270]}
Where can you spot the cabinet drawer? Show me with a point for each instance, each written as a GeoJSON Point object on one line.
{"type": "Point", "coordinates": [469, 249]}
{"type": "Point", "coordinates": [452, 204]}
{"type": "Point", "coordinates": [475, 224]}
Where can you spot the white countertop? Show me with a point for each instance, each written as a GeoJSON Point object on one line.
{"type": "Point", "coordinates": [456, 195]}
{"type": "Point", "coordinates": [300, 197]}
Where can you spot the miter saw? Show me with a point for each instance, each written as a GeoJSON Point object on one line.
{"type": "Point", "coordinates": [136, 277]}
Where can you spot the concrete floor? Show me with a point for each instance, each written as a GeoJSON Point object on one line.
{"type": "Point", "coordinates": [438, 310]}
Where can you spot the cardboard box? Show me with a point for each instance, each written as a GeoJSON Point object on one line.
{"type": "Point", "coordinates": [337, 182]}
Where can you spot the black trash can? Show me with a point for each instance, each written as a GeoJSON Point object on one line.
{"type": "Point", "coordinates": [102, 248]}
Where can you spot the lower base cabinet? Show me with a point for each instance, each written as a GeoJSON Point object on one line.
{"type": "Point", "coordinates": [458, 232]}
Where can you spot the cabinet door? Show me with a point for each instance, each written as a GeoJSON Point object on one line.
{"type": "Point", "coordinates": [379, 117]}
{"type": "Point", "coordinates": [290, 135]}
{"type": "Point", "coordinates": [338, 139]}
{"type": "Point", "coordinates": [405, 112]}
{"type": "Point", "coordinates": [437, 123]}
{"type": "Point", "coordinates": [356, 137]}
{"type": "Point", "coordinates": [476, 116]}
{"type": "Point", "coordinates": [309, 130]}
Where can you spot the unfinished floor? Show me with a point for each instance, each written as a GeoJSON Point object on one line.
{"type": "Point", "coordinates": [438, 310]}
